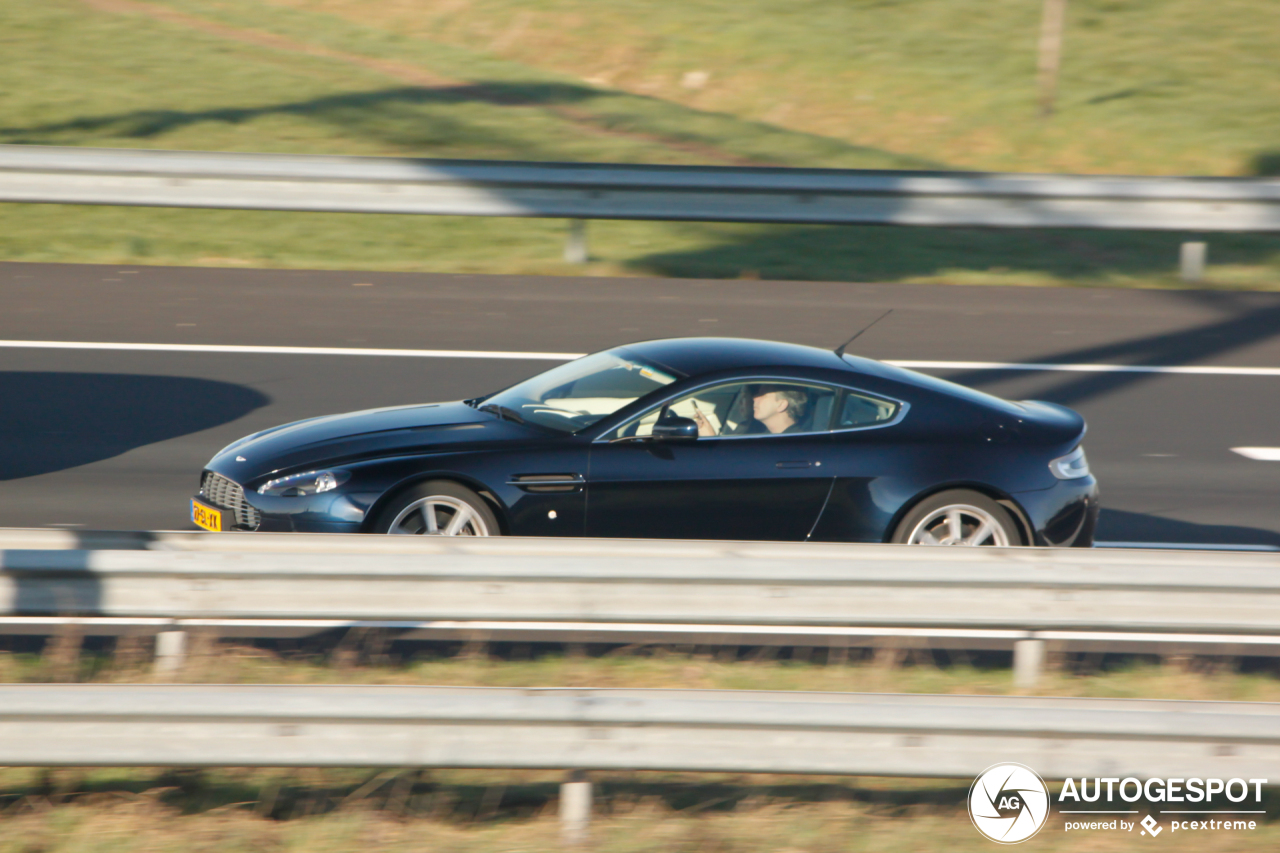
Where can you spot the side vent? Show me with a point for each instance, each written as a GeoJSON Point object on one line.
{"type": "Point", "coordinates": [548, 482]}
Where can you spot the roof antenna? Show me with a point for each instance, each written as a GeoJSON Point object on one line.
{"type": "Point", "coordinates": [840, 349]}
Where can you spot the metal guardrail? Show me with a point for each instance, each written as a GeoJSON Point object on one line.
{"type": "Point", "coordinates": [676, 730]}
{"type": "Point", "coordinates": [611, 191]}
{"type": "Point", "coordinates": [1030, 600]}
{"type": "Point", "coordinates": [650, 581]}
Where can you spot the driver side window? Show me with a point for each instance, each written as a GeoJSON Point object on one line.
{"type": "Point", "coordinates": [746, 408]}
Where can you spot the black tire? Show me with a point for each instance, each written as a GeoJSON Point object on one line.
{"type": "Point", "coordinates": [931, 518]}
{"type": "Point", "coordinates": [442, 500]}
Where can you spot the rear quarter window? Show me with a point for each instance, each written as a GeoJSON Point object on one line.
{"type": "Point", "coordinates": [863, 410]}
{"type": "Point", "coordinates": [932, 383]}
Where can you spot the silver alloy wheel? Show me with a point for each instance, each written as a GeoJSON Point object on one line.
{"type": "Point", "coordinates": [959, 524]}
{"type": "Point", "coordinates": [439, 515]}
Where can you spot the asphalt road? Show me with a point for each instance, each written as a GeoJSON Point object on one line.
{"type": "Point", "coordinates": [114, 439]}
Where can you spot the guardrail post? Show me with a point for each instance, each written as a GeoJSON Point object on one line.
{"type": "Point", "coordinates": [575, 808]}
{"type": "Point", "coordinates": [171, 652]}
{"type": "Point", "coordinates": [1192, 260]}
{"type": "Point", "coordinates": [1028, 662]}
{"type": "Point", "coordinates": [62, 651]}
{"type": "Point", "coordinates": [575, 247]}
{"type": "Point", "coordinates": [838, 651]}
{"type": "Point", "coordinates": [889, 653]}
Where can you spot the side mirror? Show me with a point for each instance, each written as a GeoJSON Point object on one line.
{"type": "Point", "coordinates": [671, 427]}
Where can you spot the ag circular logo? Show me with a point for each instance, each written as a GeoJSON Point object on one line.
{"type": "Point", "coordinates": [1009, 803]}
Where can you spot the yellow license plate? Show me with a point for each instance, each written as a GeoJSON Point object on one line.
{"type": "Point", "coordinates": [206, 516]}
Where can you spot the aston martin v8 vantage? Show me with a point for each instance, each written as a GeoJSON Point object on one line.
{"type": "Point", "coordinates": [695, 438]}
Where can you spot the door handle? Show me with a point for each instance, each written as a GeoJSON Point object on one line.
{"type": "Point", "coordinates": [798, 464]}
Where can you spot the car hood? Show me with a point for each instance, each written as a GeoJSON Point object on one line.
{"type": "Point", "coordinates": [334, 439]}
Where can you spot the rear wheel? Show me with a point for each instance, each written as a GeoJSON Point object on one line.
{"type": "Point", "coordinates": [438, 508]}
{"type": "Point", "coordinates": [958, 517]}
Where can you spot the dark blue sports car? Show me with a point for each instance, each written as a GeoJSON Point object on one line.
{"type": "Point", "coordinates": [693, 438]}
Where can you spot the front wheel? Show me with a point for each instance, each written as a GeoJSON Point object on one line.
{"type": "Point", "coordinates": [958, 517]}
{"type": "Point", "coordinates": [438, 508]}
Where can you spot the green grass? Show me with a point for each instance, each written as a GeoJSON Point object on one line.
{"type": "Point", "coordinates": [362, 659]}
{"type": "Point", "coordinates": [862, 84]}
{"type": "Point", "coordinates": [1164, 86]}
{"type": "Point", "coordinates": [228, 811]}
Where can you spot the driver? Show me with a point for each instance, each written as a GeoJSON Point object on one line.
{"type": "Point", "coordinates": [777, 408]}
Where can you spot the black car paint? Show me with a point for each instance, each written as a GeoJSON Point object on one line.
{"type": "Point", "coordinates": [850, 485]}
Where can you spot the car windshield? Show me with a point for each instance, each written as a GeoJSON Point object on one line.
{"type": "Point", "coordinates": [576, 395]}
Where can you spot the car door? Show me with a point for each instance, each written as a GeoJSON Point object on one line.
{"type": "Point", "coordinates": [875, 470]}
{"type": "Point", "coordinates": [742, 481]}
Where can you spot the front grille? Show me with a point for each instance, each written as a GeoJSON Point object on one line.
{"type": "Point", "coordinates": [227, 494]}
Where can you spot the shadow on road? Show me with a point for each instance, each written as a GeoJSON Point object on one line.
{"type": "Point", "coordinates": [1251, 318]}
{"type": "Point", "coordinates": [54, 421]}
{"type": "Point", "coordinates": [1117, 525]}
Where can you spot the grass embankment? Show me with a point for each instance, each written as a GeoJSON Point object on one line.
{"type": "Point", "coordinates": [364, 660]}
{"type": "Point", "coordinates": [891, 85]}
{"type": "Point", "coordinates": [1171, 87]}
{"type": "Point", "coordinates": [319, 811]}
{"type": "Point", "coordinates": [70, 811]}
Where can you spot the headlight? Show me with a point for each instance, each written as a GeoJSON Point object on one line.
{"type": "Point", "coordinates": [1073, 466]}
{"type": "Point", "coordinates": [309, 483]}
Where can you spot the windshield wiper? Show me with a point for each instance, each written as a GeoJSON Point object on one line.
{"type": "Point", "coordinates": [503, 412]}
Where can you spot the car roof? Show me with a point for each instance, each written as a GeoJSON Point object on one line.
{"type": "Point", "coordinates": [696, 356]}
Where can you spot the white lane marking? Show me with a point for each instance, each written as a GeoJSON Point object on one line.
{"type": "Point", "coordinates": [567, 356]}
{"type": "Point", "coordinates": [233, 348]}
{"type": "Point", "coordinates": [1185, 546]}
{"type": "Point", "coordinates": [1262, 454]}
{"type": "Point", "coordinates": [1091, 368]}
